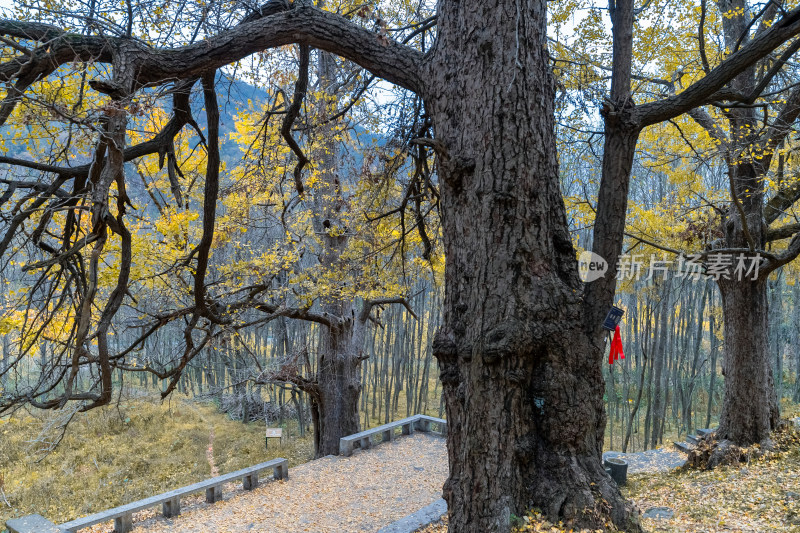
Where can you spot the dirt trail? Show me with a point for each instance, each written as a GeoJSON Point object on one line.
{"type": "Point", "coordinates": [210, 453]}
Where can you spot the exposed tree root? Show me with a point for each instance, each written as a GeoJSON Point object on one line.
{"type": "Point", "coordinates": [711, 452]}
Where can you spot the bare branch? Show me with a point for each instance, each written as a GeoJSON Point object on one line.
{"type": "Point", "coordinates": [369, 304]}
{"type": "Point", "coordinates": [701, 36]}
{"type": "Point", "coordinates": [300, 88]}
{"type": "Point", "coordinates": [16, 46]}
{"type": "Point", "coordinates": [298, 313]}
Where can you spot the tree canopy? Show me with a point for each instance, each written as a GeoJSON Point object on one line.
{"type": "Point", "coordinates": [103, 97]}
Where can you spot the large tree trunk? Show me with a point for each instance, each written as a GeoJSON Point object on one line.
{"type": "Point", "coordinates": [522, 382]}
{"type": "Point", "coordinates": [749, 409]}
{"type": "Point", "coordinates": [341, 346]}
{"type": "Point", "coordinates": [338, 388]}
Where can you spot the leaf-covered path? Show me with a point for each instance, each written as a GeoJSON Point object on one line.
{"type": "Point", "coordinates": [361, 493]}
{"type": "Point", "coordinates": [650, 461]}
{"type": "Point", "coordinates": [364, 492]}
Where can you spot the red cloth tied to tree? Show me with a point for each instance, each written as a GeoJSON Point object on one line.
{"type": "Point", "coordinates": [616, 348]}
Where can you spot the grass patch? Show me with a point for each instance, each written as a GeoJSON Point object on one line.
{"type": "Point", "coordinates": [118, 454]}
{"type": "Point", "coordinates": [762, 495]}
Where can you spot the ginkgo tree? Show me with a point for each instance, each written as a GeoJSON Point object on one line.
{"type": "Point", "coordinates": [520, 346]}
{"type": "Point", "coordinates": [748, 128]}
{"type": "Point", "coordinates": [748, 82]}
{"type": "Point", "coordinates": [348, 268]}
{"type": "Point", "coordinates": [336, 251]}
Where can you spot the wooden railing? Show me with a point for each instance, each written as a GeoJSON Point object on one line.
{"type": "Point", "coordinates": [386, 432]}
{"type": "Point", "coordinates": [170, 502]}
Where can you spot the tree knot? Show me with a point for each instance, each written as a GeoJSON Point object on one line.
{"type": "Point", "coordinates": [504, 339]}
{"type": "Point", "coordinates": [444, 347]}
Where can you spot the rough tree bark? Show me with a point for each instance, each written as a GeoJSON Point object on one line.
{"type": "Point", "coordinates": [624, 121]}
{"type": "Point", "coordinates": [341, 347]}
{"type": "Point", "coordinates": [335, 405]}
{"type": "Point", "coordinates": [520, 345]}
{"type": "Point", "coordinates": [522, 382]}
{"type": "Point", "coordinates": [749, 407]}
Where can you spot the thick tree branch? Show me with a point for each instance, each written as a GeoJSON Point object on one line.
{"type": "Point", "coordinates": [298, 313]}
{"type": "Point", "coordinates": [29, 30]}
{"type": "Point", "coordinates": [708, 123]}
{"type": "Point", "coordinates": [303, 24]}
{"type": "Point", "coordinates": [209, 197]}
{"type": "Point", "coordinates": [699, 92]}
{"type": "Point", "coordinates": [384, 57]}
{"type": "Point", "coordinates": [783, 232]}
{"type": "Point", "coordinates": [783, 200]}
{"type": "Point", "coordinates": [45, 59]}
{"type": "Point", "coordinates": [788, 255]}
{"type": "Point", "coordinates": [621, 134]}
{"type": "Point", "coordinates": [369, 304]}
